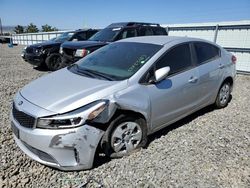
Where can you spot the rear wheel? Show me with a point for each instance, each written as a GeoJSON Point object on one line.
{"type": "Point", "coordinates": [223, 95]}
{"type": "Point", "coordinates": [53, 61]}
{"type": "Point", "coordinates": [125, 135]}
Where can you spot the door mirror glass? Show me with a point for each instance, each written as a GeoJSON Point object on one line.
{"type": "Point", "coordinates": [161, 73]}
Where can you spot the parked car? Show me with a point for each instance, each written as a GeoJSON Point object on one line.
{"type": "Point", "coordinates": [117, 96]}
{"type": "Point", "coordinates": [72, 52]}
{"type": "Point", "coordinates": [47, 53]}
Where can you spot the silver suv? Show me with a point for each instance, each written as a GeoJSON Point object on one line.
{"type": "Point", "coordinates": [115, 97]}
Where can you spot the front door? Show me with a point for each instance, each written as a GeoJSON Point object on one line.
{"type": "Point", "coordinates": [175, 96]}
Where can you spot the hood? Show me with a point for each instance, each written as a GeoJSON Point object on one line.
{"type": "Point", "coordinates": [46, 44]}
{"type": "Point", "coordinates": [82, 44]}
{"type": "Point", "coordinates": [64, 91]}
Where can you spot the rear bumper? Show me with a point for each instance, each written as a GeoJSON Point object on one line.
{"type": "Point", "coordinates": [64, 149]}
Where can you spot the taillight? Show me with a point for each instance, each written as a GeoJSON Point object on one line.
{"type": "Point", "coordinates": [233, 59]}
{"type": "Point", "coordinates": [85, 52]}
{"type": "Point", "coordinates": [81, 52]}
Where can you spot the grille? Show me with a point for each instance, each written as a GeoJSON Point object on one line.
{"type": "Point", "coordinates": [42, 155]}
{"type": "Point", "coordinates": [23, 119]}
{"type": "Point", "coordinates": [29, 50]}
{"type": "Point", "coordinates": [69, 52]}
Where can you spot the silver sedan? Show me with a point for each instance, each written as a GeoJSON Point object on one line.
{"type": "Point", "coordinates": [115, 97]}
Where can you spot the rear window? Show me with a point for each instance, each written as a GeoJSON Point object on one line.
{"type": "Point", "coordinates": [206, 52]}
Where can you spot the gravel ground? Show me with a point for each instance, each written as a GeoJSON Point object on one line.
{"type": "Point", "coordinates": [210, 148]}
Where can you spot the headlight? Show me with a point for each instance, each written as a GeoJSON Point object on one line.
{"type": "Point", "coordinates": [61, 50]}
{"type": "Point", "coordinates": [74, 118]}
{"type": "Point", "coordinates": [38, 50]}
{"type": "Point", "coordinates": [81, 52]}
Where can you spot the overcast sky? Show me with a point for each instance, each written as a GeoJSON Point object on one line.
{"type": "Point", "coordinates": [74, 14]}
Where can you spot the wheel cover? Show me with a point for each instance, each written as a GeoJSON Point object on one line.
{"type": "Point", "coordinates": [224, 94]}
{"type": "Point", "coordinates": [55, 62]}
{"type": "Point", "coordinates": [126, 137]}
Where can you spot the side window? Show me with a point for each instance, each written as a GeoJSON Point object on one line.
{"type": "Point", "coordinates": [79, 36]}
{"type": "Point", "coordinates": [127, 33]}
{"type": "Point", "coordinates": [206, 52]}
{"type": "Point", "coordinates": [159, 31]}
{"type": "Point", "coordinates": [90, 34]}
{"type": "Point", "coordinates": [146, 31]}
{"type": "Point", "coordinates": [178, 59]}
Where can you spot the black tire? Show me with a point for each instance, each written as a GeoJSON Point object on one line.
{"type": "Point", "coordinates": [223, 96]}
{"type": "Point", "coordinates": [54, 61]}
{"type": "Point", "coordinates": [106, 143]}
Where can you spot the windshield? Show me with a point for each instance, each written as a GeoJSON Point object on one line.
{"type": "Point", "coordinates": [116, 61]}
{"type": "Point", "coordinates": [64, 37]}
{"type": "Point", "coordinates": [106, 35]}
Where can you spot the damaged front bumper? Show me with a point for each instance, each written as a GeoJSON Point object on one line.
{"type": "Point", "coordinates": [65, 149]}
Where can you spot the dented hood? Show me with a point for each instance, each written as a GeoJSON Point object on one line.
{"type": "Point", "coordinates": [64, 91]}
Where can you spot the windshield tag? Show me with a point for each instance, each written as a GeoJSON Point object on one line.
{"type": "Point", "coordinates": [142, 62]}
{"type": "Point", "coordinates": [116, 29]}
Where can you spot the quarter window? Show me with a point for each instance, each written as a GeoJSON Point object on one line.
{"type": "Point", "coordinates": [159, 31]}
{"type": "Point", "coordinates": [178, 59]}
{"type": "Point", "coordinates": [206, 52]}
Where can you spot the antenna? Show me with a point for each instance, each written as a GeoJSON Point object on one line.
{"type": "Point", "coordinates": [1, 27]}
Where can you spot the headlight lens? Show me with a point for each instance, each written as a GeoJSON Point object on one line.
{"type": "Point", "coordinates": [61, 50]}
{"type": "Point", "coordinates": [74, 118]}
{"type": "Point", "coordinates": [81, 52]}
{"type": "Point", "coordinates": [38, 50]}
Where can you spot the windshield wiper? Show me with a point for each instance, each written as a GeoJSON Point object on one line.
{"type": "Point", "coordinates": [94, 74]}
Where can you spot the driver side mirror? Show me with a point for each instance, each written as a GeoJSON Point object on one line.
{"type": "Point", "coordinates": [160, 74]}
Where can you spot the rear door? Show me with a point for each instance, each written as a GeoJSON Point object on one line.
{"type": "Point", "coordinates": [210, 67]}
{"type": "Point", "coordinates": [175, 96]}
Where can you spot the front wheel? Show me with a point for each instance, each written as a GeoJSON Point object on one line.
{"type": "Point", "coordinates": [125, 135]}
{"type": "Point", "coordinates": [54, 61]}
{"type": "Point", "coordinates": [223, 95]}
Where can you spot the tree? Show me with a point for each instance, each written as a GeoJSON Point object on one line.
{"type": "Point", "coordinates": [31, 28]}
{"type": "Point", "coordinates": [46, 28]}
{"type": "Point", "coordinates": [19, 29]}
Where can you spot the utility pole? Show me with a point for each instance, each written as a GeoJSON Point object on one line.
{"type": "Point", "coordinates": [1, 27]}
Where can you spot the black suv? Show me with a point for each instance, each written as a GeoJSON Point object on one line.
{"type": "Point", "coordinates": [47, 53]}
{"type": "Point", "coordinates": [73, 51]}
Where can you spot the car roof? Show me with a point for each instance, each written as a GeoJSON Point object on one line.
{"type": "Point", "coordinates": [82, 30]}
{"type": "Point", "coordinates": [160, 40]}
{"type": "Point", "coordinates": [124, 24]}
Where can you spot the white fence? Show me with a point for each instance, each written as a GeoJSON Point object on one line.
{"type": "Point", "coordinates": [33, 38]}
{"type": "Point", "coordinates": [234, 36]}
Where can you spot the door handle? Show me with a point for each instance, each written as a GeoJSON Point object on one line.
{"type": "Point", "coordinates": [221, 66]}
{"type": "Point", "coordinates": [192, 79]}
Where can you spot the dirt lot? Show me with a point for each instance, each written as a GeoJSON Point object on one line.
{"type": "Point", "coordinates": [210, 148]}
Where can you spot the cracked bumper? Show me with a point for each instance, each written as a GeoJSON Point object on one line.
{"type": "Point", "coordinates": [65, 149]}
